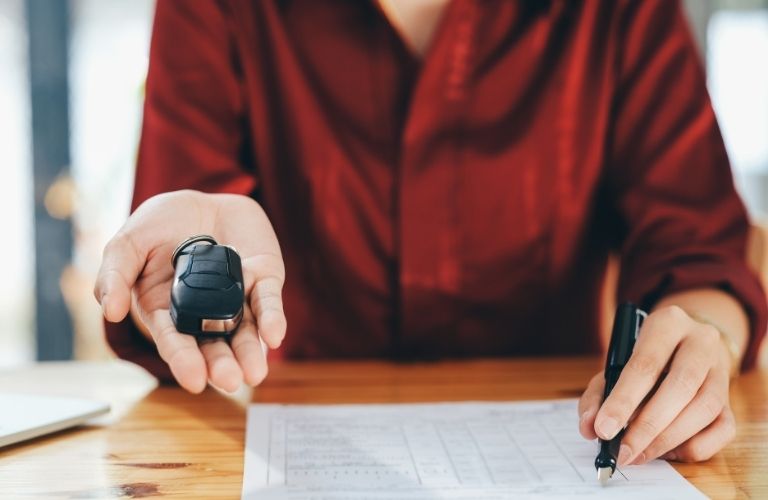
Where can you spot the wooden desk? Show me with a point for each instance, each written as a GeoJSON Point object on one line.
{"type": "Point", "coordinates": [173, 444]}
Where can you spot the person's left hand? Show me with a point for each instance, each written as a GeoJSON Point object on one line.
{"type": "Point", "coordinates": [688, 417]}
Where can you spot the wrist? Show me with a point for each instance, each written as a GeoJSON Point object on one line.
{"type": "Point", "coordinates": [719, 310]}
{"type": "Point", "coordinates": [727, 342]}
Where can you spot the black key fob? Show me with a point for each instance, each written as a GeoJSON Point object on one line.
{"type": "Point", "coordinates": [207, 292]}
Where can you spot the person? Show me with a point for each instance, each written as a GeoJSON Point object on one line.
{"type": "Point", "coordinates": [452, 193]}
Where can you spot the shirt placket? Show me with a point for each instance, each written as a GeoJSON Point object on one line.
{"type": "Point", "coordinates": [429, 188]}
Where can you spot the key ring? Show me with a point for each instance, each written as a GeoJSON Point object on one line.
{"type": "Point", "coordinates": [189, 241]}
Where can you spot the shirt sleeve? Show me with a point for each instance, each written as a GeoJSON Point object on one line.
{"type": "Point", "coordinates": [194, 128]}
{"type": "Point", "coordinates": [684, 226]}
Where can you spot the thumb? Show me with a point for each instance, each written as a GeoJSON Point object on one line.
{"type": "Point", "coordinates": [121, 265]}
{"type": "Point", "coordinates": [589, 404]}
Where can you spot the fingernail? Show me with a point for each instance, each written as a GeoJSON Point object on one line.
{"type": "Point", "coordinates": [639, 460]}
{"type": "Point", "coordinates": [625, 453]}
{"type": "Point", "coordinates": [236, 388]}
{"type": "Point", "coordinates": [608, 427]}
{"type": "Point", "coordinates": [228, 388]}
{"type": "Point", "coordinates": [220, 389]}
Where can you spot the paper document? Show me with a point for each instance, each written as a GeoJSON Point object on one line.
{"type": "Point", "coordinates": [443, 451]}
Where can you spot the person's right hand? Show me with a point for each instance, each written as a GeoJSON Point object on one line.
{"type": "Point", "coordinates": [136, 274]}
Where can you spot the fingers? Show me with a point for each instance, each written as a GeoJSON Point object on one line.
{"type": "Point", "coordinates": [120, 267]}
{"type": "Point", "coordinates": [244, 359]}
{"type": "Point", "coordinates": [589, 404]}
{"type": "Point", "coordinates": [266, 275]}
{"type": "Point", "coordinates": [690, 367]}
{"type": "Point", "coordinates": [178, 350]}
{"type": "Point", "coordinates": [223, 370]}
{"type": "Point", "coordinates": [708, 404]}
{"type": "Point", "coordinates": [268, 306]}
{"type": "Point", "coordinates": [136, 268]}
{"type": "Point", "coordinates": [212, 361]}
{"type": "Point", "coordinates": [249, 351]}
{"type": "Point", "coordinates": [707, 442]}
{"type": "Point", "coordinates": [264, 269]}
{"type": "Point", "coordinates": [659, 336]}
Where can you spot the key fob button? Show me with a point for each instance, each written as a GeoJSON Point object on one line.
{"type": "Point", "coordinates": [208, 281]}
{"type": "Point", "coordinates": [208, 267]}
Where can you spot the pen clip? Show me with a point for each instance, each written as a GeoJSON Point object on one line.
{"type": "Point", "coordinates": [641, 317]}
{"type": "Point", "coordinates": [626, 327]}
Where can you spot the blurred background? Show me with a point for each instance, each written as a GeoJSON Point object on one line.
{"type": "Point", "coordinates": [71, 83]}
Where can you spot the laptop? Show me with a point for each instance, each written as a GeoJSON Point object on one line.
{"type": "Point", "coordinates": [25, 416]}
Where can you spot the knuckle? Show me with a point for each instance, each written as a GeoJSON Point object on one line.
{"type": "Point", "coordinates": [115, 273]}
{"type": "Point", "coordinates": [123, 238]}
{"type": "Point", "coordinates": [219, 369]}
{"type": "Point", "coordinates": [644, 365]}
{"type": "Point", "coordinates": [122, 241]}
{"type": "Point", "coordinates": [618, 407]}
{"type": "Point", "coordinates": [708, 334]}
{"type": "Point", "coordinates": [644, 427]}
{"type": "Point", "coordinates": [661, 444]}
{"type": "Point", "coordinates": [162, 343]}
{"type": "Point", "coordinates": [688, 378]}
{"type": "Point", "coordinates": [712, 404]}
{"type": "Point", "coordinates": [271, 265]}
{"type": "Point", "coordinates": [162, 334]}
{"type": "Point", "coordinates": [178, 354]}
{"type": "Point", "coordinates": [271, 296]}
{"type": "Point", "coordinates": [594, 388]}
{"type": "Point", "coordinates": [674, 313]}
{"type": "Point", "coordinates": [117, 241]}
{"type": "Point", "coordinates": [671, 315]}
{"type": "Point", "coordinates": [218, 359]}
{"type": "Point", "coordinates": [268, 310]}
{"type": "Point", "coordinates": [278, 276]}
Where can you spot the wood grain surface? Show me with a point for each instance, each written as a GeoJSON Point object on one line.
{"type": "Point", "coordinates": [173, 444]}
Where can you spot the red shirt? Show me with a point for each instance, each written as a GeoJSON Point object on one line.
{"type": "Point", "coordinates": [463, 205]}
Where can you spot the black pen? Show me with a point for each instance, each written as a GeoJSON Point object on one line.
{"type": "Point", "coordinates": [626, 325]}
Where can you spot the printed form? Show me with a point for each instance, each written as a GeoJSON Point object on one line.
{"type": "Point", "coordinates": [455, 451]}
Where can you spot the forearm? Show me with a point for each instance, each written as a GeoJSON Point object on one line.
{"type": "Point", "coordinates": [718, 308]}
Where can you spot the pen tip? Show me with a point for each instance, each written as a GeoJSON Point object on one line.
{"type": "Point", "coordinates": [604, 474]}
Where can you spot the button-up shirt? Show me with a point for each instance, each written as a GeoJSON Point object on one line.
{"type": "Point", "coordinates": [463, 204]}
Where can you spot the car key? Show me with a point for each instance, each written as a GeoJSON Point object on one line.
{"type": "Point", "coordinates": [207, 291]}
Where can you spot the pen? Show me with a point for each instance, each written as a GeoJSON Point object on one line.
{"type": "Point", "coordinates": [626, 325]}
